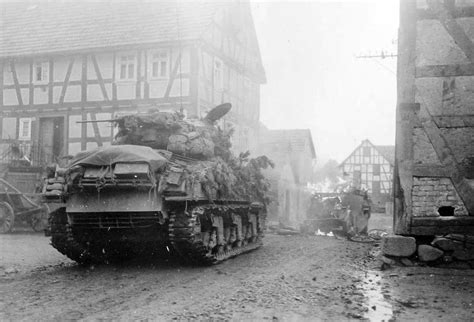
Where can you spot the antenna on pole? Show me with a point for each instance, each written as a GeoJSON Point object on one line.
{"type": "Point", "coordinates": [382, 55]}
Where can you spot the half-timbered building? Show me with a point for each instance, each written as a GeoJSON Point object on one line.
{"type": "Point", "coordinates": [434, 168]}
{"type": "Point", "coordinates": [64, 63]}
{"type": "Point", "coordinates": [370, 167]}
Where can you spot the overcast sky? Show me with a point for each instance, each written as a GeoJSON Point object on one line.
{"type": "Point", "coordinates": [314, 79]}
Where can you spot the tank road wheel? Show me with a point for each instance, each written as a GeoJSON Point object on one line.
{"type": "Point", "coordinates": [7, 217]}
{"type": "Point", "coordinates": [39, 221]}
{"type": "Point", "coordinates": [213, 233]}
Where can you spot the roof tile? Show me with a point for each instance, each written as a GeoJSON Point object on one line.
{"type": "Point", "coordinates": [45, 27]}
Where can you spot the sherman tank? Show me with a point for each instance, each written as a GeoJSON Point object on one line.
{"type": "Point", "coordinates": [166, 185]}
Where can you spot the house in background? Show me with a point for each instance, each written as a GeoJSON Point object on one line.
{"type": "Point", "coordinates": [63, 63]}
{"type": "Point", "coordinates": [293, 153]}
{"type": "Point", "coordinates": [370, 167]}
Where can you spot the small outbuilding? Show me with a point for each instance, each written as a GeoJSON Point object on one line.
{"type": "Point", "coordinates": [293, 153]}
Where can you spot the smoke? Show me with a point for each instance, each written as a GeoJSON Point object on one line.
{"type": "Point", "coordinates": [337, 184]}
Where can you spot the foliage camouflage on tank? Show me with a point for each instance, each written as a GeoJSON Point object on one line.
{"type": "Point", "coordinates": [167, 185]}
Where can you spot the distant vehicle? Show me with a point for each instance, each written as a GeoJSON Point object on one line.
{"type": "Point", "coordinates": [345, 213]}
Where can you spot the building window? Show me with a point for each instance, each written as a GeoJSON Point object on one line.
{"type": "Point", "coordinates": [376, 170]}
{"type": "Point", "coordinates": [25, 129]}
{"type": "Point", "coordinates": [357, 178]}
{"type": "Point", "coordinates": [40, 72]}
{"type": "Point", "coordinates": [218, 75]}
{"type": "Point", "coordinates": [127, 67]}
{"type": "Point", "coordinates": [159, 65]}
{"type": "Point", "coordinates": [366, 151]}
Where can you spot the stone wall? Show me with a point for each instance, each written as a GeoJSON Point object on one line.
{"type": "Point", "coordinates": [429, 194]}
{"type": "Point", "coordinates": [450, 251]}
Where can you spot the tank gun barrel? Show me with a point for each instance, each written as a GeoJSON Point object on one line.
{"type": "Point", "coordinates": [98, 121]}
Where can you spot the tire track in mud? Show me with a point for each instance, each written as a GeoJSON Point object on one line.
{"type": "Point", "coordinates": [288, 277]}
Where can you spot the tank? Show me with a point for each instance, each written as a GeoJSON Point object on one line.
{"type": "Point", "coordinates": [166, 186]}
{"type": "Point", "coordinates": [346, 213]}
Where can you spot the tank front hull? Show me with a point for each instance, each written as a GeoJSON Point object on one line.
{"type": "Point", "coordinates": [110, 200]}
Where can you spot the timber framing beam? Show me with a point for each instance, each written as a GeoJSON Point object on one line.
{"type": "Point", "coordinates": [72, 83]}
{"type": "Point", "coordinates": [99, 78]}
{"type": "Point", "coordinates": [445, 15]}
{"type": "Point", "coordinates": [445, 70]}
{"type": "Point", "coordinates": [454, 121]}
{"type": "Point", "coordinates": [66, 81]}
{"type": "Point", "coordinates": [1, 83]}
{"type": "Point", "coordinates": [173, 76]}
{"type": "Point", "coordinates": [437, 225]}
{"type": "Point", "coordinates": [95, 127]}
{"type": "Point", "coordinates": [16, 83]}
{"type": "Point", "coordinates": [456, 12]}
{"type": "Point", "coordinates": [403, 169]}
{"type": "Point", "coordinates": [431, 171]}
{"type": "Point", "coordinates": [40, 108]}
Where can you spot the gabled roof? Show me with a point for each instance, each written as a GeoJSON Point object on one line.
{"type": "Point", "coordinates": [292, 140]}
{"type": "Point", "coordinates": [387, 151]}
{"type": "Point", "coordinates": [29, 28]}
{"type": "Point", "coordinates": [46, 27]}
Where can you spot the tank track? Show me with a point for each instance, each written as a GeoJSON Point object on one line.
{"type": "Point", "coordinates": [196, 233]}
{"type": "Point", "coordinates": [62, 239]}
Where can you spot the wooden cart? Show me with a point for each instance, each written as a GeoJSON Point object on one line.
{"type": "Point", "coordinates": [16, 207]}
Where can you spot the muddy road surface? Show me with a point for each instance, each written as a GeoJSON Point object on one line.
{"type": "Point", "coordinates": [289, 278]}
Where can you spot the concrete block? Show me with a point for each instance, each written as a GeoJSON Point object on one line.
{"type": "Point", "coordinates": [400, 246]}
{"type": "Point", "coordinates": [427, 253]}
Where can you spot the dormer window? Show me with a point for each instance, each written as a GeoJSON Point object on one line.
{"type": "Point", "coordinates": [126, 67]}
{"type": "Point", "coordinates": [159, 65]}
{"type": "Point", "coordinates": [41, 72]}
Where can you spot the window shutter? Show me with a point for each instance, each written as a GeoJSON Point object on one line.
{"type": "Point", "coordinates": [45, 72]}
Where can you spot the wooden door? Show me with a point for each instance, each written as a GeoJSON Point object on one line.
{"type": "Point", "coordinates": [51, 138]}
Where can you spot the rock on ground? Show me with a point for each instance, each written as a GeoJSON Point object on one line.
{"type": "Point", "coordinates": [446, 244]}
{"type": "Point", "coordinates": [399, 246]}
{"type": "Point", "coordinates": [427, 253]}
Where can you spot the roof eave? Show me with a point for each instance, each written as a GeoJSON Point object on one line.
{"type": "Point", "coordinates": [89, 50]}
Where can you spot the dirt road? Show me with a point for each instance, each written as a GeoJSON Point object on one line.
{"type": "Point", "coordinates": [291, 277]}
